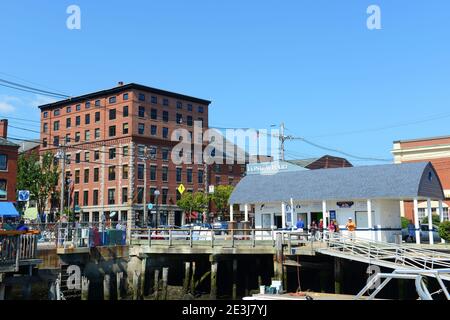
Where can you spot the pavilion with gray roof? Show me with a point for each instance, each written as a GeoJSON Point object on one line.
{"type": "Point", "coordinates": [338, 194]}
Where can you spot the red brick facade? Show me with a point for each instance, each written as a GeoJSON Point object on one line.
{"type": "Point", "coordinates": [8, 165]}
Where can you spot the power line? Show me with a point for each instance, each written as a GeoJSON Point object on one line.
{"type": "Point", "coordinates": [19, 86]}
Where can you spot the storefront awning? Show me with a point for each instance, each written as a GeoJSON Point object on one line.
{"type": "Point", "coordinates": [7, 209]}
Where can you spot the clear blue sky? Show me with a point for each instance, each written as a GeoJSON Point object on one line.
{"type": "Point", "coordinates": [312, 64]}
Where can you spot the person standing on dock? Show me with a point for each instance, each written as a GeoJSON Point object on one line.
{"type": "Point", "coordinates": [351, 227]}
{"type": "Point", "coordinates": [300, 225]}
{"type": "Point", "coordinates": [411, 232]}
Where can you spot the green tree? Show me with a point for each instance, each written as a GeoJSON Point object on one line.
{"type": "Point", "coordinates": [444, 230]}
{"type": "Point", "coordinates": [434, 218]}
{"type": "Point", "coordinates": [220, 198]}
{"type": "Point", "coordinates": [405, 222]}
{"type": "Point", "coordinates": [190, 202]}
{"type": "Point", "coordinates": [40, 177]}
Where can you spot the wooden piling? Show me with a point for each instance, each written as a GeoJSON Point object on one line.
{"type": "Point", "coordinates": [136, 285]}
{"type": "Point", "coordinates": [165, 275]}
{"type": "Point", "coordinates": [143, 268]}
{"type": "Point", "coordinates": [278, 257]}
{"type": "Point", "coordinates": [84, 288]}
{"type": "Point", "coordinates": [107, 287]}
{"type": "Point", "coordinates": [234, 294]}
{"type": "Point", "coordinates": [187, 271]}
{"type": "Point", "coordinates": [338, 276]}
{"type": "Point", "coordinates": [2, 291]}
{"type": "Point", "coordinates": [156, 285]}
{"type": "Point", "coordinates": [119, 277]}
{"type": "Point", "coordinates": [213, 292]}
{"type": "Point", "coordinates": [193, 278]}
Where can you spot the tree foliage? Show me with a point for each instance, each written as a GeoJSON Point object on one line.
{"type": "Point", "coordinates": [434, 218]}
{"type": "Point", "coordinates": [444, 230]}
{"type": "Point", "coordinates": [221, 196]}
{"type": "Point", "coordinates": [190, 202]}
{"type": "Point", "coordinates": [39, 176]}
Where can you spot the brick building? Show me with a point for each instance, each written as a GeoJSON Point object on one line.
{"type": "Point", "coordinates": [118, 149]}
{"type": "Point", "coordinates": [8, 165]}
{"type": "Point", "coordinates": [437, 151]}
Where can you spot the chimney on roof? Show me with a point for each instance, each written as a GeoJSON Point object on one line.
{"type": "Point", "coordinates": [120, 83]}
{"type": "Point", "coordinates": [3, 128]}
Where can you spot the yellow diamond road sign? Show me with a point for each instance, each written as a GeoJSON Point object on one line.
{"type": "Point", "coordinates": [181, 188]}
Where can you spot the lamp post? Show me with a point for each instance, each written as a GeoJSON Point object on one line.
{"type": "Point", "coordinates": [156, 193]}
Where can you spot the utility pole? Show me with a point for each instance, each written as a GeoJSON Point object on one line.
{"type": "Point", "coordinates": [282, 139]}
{"type": "Point", "coordinates": [62, 156]}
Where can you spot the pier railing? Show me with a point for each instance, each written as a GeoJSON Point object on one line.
{"type": "Point", "coordinates": [215, 237]}
{"type": "Point", "coordinates": [87, 235]}
{"type": "Point", "coordinates": [386, 254]}
{"type": "Point", "coordinates": [15, 247]}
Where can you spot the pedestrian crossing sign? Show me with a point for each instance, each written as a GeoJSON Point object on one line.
{"type": "Point", "coordinates": [181, 188]}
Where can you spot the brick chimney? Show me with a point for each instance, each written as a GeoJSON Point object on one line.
{"type": "Point", "coordinates": [3, 128]}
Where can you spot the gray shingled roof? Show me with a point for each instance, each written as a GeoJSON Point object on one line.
{"type": "Point", "coordinates": [391, 181]}
{"type": "Point", "coordinates": [5, 142]}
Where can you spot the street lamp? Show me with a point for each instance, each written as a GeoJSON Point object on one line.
{"type": "Point", "coordinates": [156, 193]}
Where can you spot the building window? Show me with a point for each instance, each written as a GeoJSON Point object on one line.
{"type": "Point", "coordinates": [165, 116]}
{"type": "Point", "coordinates": [140, 194]}
{"type": "Point", "coordinates": [153, 173]}
{"type": "Point", "coordinates": [141, 112]}
{"type": "Point", "coordinates": [57, 112]}
{"type": "Point", "coordinates": [200, 109]}
{"type": "Point", "coordinates": [87, 105]}
{"type": "Point", "coordinates": [68, 123]}
{"type": "Point", "coordinates": [124, 195]}
{"type": "Point", "coordinates": [77, 121]}
{"type": "Point", "coordinates": [76, 198]}
{"type": "Point", "coordinates": [165, 154]}
{"type": "Point", "coordinates": [87, 135]}
{"type": "Point", "coordinates": [77, 157]}
{"type": "Point", "coordinates": [44, 142]}
{"type": "Point", "coordinates": [141, 128]}
{"type": "Point", "coordinates": [111, 196]}
{"type": "Point", "coordinates": [445, 214]}
{"type": "Point", "coordinates": [154, 114]}
{"type": "Point", "coordinates": [140, 172]}
{"type": "Point", "coordinates": [165, 102]}
{"type": "Point", "coordinates": [77, 176]}
{"type": "Point", "coordinates": [125, 96]}
{"type": "Point", "coordinates": [68, 138]}
{"type": "Point", "coordinates": [125, 128]}
{"type": "Point", "coordinates": [97, 103]}
{"type": "Point", "coordinates": [95, 198]}
{"type": "Point", "coordinates": [165, 132]}
{"type": "Point", "coordinates": [97, 133]}
{"type": "Point", "coordinates": [97, 116]}
{"type": "Point", "coordinates": [45, 127]}
{"type": "Point", "coordinates": [217, 168]}
{"type": "Point", "coordinates": [112, 153]}
{"type": "Point", "coordinates": [164, 196]}
{"type": "Point", "coordinates": [96, 155]}
{"type": "Point", "coordinates": [112, 100]}
{"type": "Point", "coordinates": [45, 115]}
{"type": "Point", "coordinates": [217, 179]}
{"type": "Point", "coordinates": [125, 151]}
{"type": "Point", "coordinates": [154, 99]}
{"type": "Point", "coordinates": [86, 176]}
{"type": "Point", "coordinates": [112, 131]}
{"type": "Point", "coordinates": [200, 176]}
{"type": "Point", "coordinates": [189, 175]}
{"type": "Point", "coordinates": [179, 105]}
{"type": "Point", "coordinates": [201, 121]}
{"type": "Point", "coordinates": [112, 114]}
{"type": "Point", "coordinates": [141, 151]}
{"type": "Point", "coordinates": [153, 130]}
{"type": "Point", "coordinates": [3, 162]}
{"type": "Point", "coordinates": [230, 168]}
{"type": "Point", "coordinates": [87, 119]}
{"type": "Point", "coordinates": [152, 153]}
{"type": "Point", "coordinates": [125, 111]}
{"type": "Point", "coordinates": [87, 156]}
{"type": "Point", "coordinates": [96, 174]}
{"type": "Point", "coordinates": [189, 121]}
{"type": "Point", "coordinates": [56, 141]}
{"type": "Point", "coordinates": [56, 126]}
{"type": "Point", "coordinates": [125, 170]}
{"type": "Point", "coordinates": [78, 107]}
{"type": "Point", "coordinates": [112, 173]}
{"type": "Point", "coordinates": [77, 137]}
{"type": "Point", "coordinates": [179, 172]}
{"type": "Point", "coordinates": [141, 97]}
{"type": "Point", "coordinates": [189, 107]}
{"type": "Point", "coordinates": [165, 172]}
{"type": "Point", "coordinates": [179, 118]}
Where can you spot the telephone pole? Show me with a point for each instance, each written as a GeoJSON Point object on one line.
{"type": "Point", "coordinates": [62, 156]}
{"type": "Point", "coordinates": [283, 138]}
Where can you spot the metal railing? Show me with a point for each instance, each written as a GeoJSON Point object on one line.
{"type": "Point", "coordinates": [215, 237]}
{"type": "Point", "coordinates": [16, 246]}
{"type": "Point", "coordinates": [394, 254]}
{"type": "Point", "coordinates": [89, 234]}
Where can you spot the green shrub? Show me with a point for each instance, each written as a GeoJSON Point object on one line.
{"type": "Point", "coordinates": [434, 218]}
{"type": "Point", "coordinates": [405, 222]}
{"type": "Point", "coordinates": [444, 230]}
